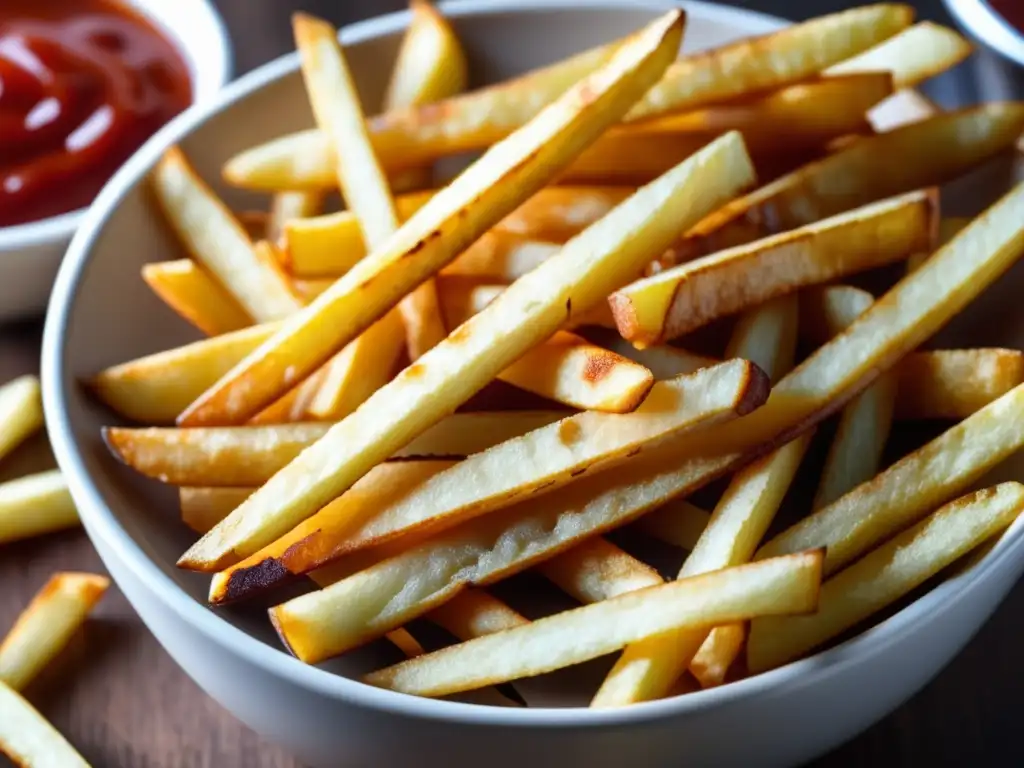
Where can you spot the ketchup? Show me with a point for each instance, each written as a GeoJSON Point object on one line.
{"type": "Point", "coordinates": [1011, 10]}
{"type": "Point", "coordinates": [83, 83]}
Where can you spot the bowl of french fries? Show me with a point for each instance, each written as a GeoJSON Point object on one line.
{"type": "Point", "coordinates": [550, 381]}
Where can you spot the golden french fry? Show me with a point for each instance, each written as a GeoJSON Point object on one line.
{"type": "Point", "coordinates": [716, 655]}
{"type": "Point", "coordinates": [912, 56]}
{"type": "Point", "coordinates": [475, 613]}
{"type": "Point", "coordinates": [501, 257]}
{"type": "Point", "coordinates": [480, 197]}
{"type": "Point", "coordinates": [46, 625]}
{"type": "Point", "coordinates": [663, 360]}
{"type": "Point", "coordinates": [21, 412]}
{"type": "Point", "coordinates": [286, 207]}
{"type": "Point", "coordinates": [589, 266]}
{"type": "Point", "coordinates": [931, 152]}
{"type": "Point", "coordinates": [291, 407]}
{"type": "Point", "coordinates": [911, 487]}
{"type": "Point", "coordinates": [196, 296]}
{"type": "Point", "coordinates": [678, 300]}
{"type": "Point", "coordinates": [34, 505]}
{"type": "Point", "coordinates": [678, 523]}
{"type": "Point", "coordinates": [559, 213]}
{"type": "Point", "coordinates": [204, 507]}
{"type": "Point", "coordinates": [544, 459]}
{"type": "Point", "coordinates": [28, 739]}
{"type": "Point", "coordinates": [787, 586]}
{"type": "Point", "coordinates": [954, 383]}
{"type": "Point", "coordinates": [949, 227]}
{"type": "Point", "coordinates": [598, 570]}
{"type": "Point", "coordinates": [887, 573]}
{"type": "Point", "coordinates": [248, 456]}
{"type": "Point", "coordinates": [646, 671]}
{"type": "Point", "coordinates": [214, 237]}
{"type": "Point", "coordinates": [154, 389]}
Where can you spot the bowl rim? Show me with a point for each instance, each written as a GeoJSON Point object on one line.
{"type": "Point", "coordinates": [101, 522]}
{"type": "Point", "coordinates": [216, 71]}
{"type": "Point", "coordinates": [981, 21]}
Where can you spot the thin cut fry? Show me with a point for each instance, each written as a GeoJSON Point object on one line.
{"type": "Point", "coordinates": [584, 272]}
{"type": "Point", "coordinates": [293, 406]}
{"type": "Point", "coordinates": [28, 739]}
{"type": "Point", "coordinates": [887, 573]}
{"type": "Point", "coordinates": [787, 586]}
{"type": "Point", "coordinates": [215, 238]}
{"type": "Point", "coordinates": [678, 523]}
{"type": "Point", "coordinates": [598, 570]}
{"type": "Point", "coordinates": [501, 257]}
{"type": "Point", "coordinates": [663, 360]}
{"type": "Point", "coordinates": [542, 460]}
{"type": "Point", "coordinates": [249, 456]}
{"type": "Point", "coordinates": [196, 296]}
{"type": "Point", "coordinates": [678, 300]}
{"type": "Point", "coordinates": [954, 383]}
{"type": "Point", "coordinates": [911, 487]}
{"type": "Point", "coordinates": [204, 507]}
{"type": "Point", "coordinates": [475, 613]}
{"type": "Point", "coordinates": [488, 190]}
{"type": "Point", "coordinates": [493, 547]}
{"type": "Point", "coordinates": [949, 227]}
{"type": "Point", "coordinates": [647, 670]}
{"type": "Point", "coordinates": [46, 625]}
{"type": "Point", "coordinates": [562, 212]}
{"type": "Point", "coordinates": [723, 646]}
{"type": "Point", "coordinates": [21, 412]}
{"type": "Point", "coordinates": [286, 207]}
{"type": "Point", "coordinates": [34, 505]}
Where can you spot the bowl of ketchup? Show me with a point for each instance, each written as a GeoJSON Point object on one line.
{"type": "Point", "coordinates": [83, 84]}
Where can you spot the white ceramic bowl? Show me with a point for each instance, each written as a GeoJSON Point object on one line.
{"type": "Point", "coordinates": [101, 314]}
{"type": "Point", "coordinates": [31, 253]}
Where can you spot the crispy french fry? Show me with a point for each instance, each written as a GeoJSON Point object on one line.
{"type": "Point", "coordinates": [21, 412]}
{"type": "Point", "coordinates": [204, 507]}
{"type": "Point", "coordinates": [678, 300]}
{"type": "Point", "coordinates": [787, 586]}
{"type": "Point", "coordinates": [480, 197]}
{"type": "Point", "coordinates": [931, 152]}
{"type": "Point", "coordinates": [493, 547]}
{"type": "Point", "coordinates": [196, 296]}
{"type": "Point", "coordinates": [286, 207]}
{"type": "Point", "coordinates": [562, 212]}
{"type": "Point", "coordinates": [34, 505]}
{"type": "Point", "coordinates": [248, 456]}
{"type": "Point", "coordinates": [723, 646]}
{"type": "Point", "coordinates": [663, 360]}
{"type": "Point", "coordinates": [501, 257]}
{"type": "Point", "coordinates": [154, 389]}
{"type": "Point", "coordinates": [887, 573]}
{"type": "Point", "coordinates": [954, 383]}
{"type": "Point", "coordinates": [647, 670]}
{"type": "Point", "coordinates": [911, 487]}
{"type": "Point", "coordinates": [678, 523]}
{"type": "Point", "coordinates": [949, 227]}
{"type": "Point", "coordinates": [293, 406]}
{"type": "Point", "coordinates": [28, 739]}
{"type": "Point", "coordinates": [463, 298]}
{"type": "Point", "coordinates": [598, 570]}
{"type": "Point", "coordinates": [912, 56]}
{"type": "Point", "coordinates": [214, 238]}
{"type": "Point", "coordinates": [46, 625]}
{"type": "Point", "coordinates": [584, 272]}
{"type": "Point", "coordinates": [308, 288]}
{"type": "Point", "coordinates": [475, 613]}
{"type": "Point", "coordinates": [544, 459]}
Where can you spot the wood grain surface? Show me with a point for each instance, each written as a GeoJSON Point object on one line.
{"type": "Point", "coordinates": [123, 702]}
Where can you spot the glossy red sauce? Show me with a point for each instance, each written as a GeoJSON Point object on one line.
{"type": "Point", "coordinates": [1011, 10]}
{"type": "Point", "coordinates": [83, 83]}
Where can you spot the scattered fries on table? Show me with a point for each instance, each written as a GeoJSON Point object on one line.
{"type": "Point", "coordinates": [349, 421]}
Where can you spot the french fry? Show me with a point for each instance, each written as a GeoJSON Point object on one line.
{"type": "Point", "coordinates": [949, 227]}
{"type": "Point", "coordinates": [21, 412]}
{"type": "Point", "coordinates": [662, 360]}
{"type": "Point", "coordinates": [196, 296]}
{"type": "Point", "coordinates": [488, 190]}
{"type": "Point", "coordinates": [887, 573]}
{"type": "Point", "coordinates": [249, 456]}
{"type": "Point", "coordinates": [954, 383]}
{"type": "Point", "coordinates": [204, 507]}
{"type": "Point", "coordinates": [931, 152]}
{"type": "Point", "coordinates": [544, 459]}
{"type": "Point", "coordinates": [293, 406]}
{"type": "Point", "coordinates": [598, 570]}
{"type": "Point", "coordinates": [678, 300]}
{"type": "Point", "coordinates": [308, 288]}
{"type": "Point", "coordinates": [647, 670]}
{"type": "Point", "coordinates": [475, 613]}
{"type": "Point", "coordinates": [722, 647]}
{"type": "Point", "coordinates": [771, 61]}
{"type": "Point", "coordinates": [331, 244]}
{"type": "Point", "coordinates": [911, 487]}
{"type": "Point", "coordinates": [286, 207]}
{"type": "Point", "coordinates": [787, 586]}
{"type": "Point", "coordinates": [604, 256]}
{"type": "Point", "coordinates": [214, 238]}
{"type": "Point", "coordinates": [34, 505]}
{"type": "Point", "coordinates": [480, 118]}
{"type": "Point", "coordinates": [678, 523]}
{"type": "Point", "coordinates": [793, 120]}
{"type": "Point", "coordinates": [47, 624]}
{"type": "Point", "coordinates": [493, 547]}
{"type": "Point", "coordinates": [562, 212]}
{"type": "Point", "coordinates": [912, 56]}
{"type": "Point", "coordinates": [28, 739]}
{"type": "Point", "coordinates": [154, 389]}
{"type": "Point", "coordinates": [463, 298]}
{"type": "Point", "coordinates": [501, 257]}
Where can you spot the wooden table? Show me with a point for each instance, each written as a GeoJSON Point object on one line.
{"type": "Point", "coordinates": [122, 701]}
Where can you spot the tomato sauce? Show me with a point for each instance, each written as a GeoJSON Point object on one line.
{"type": "Point", "coordinates": [1011, 10]}
{"type": "Point", "coordinates": [83, 84]}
